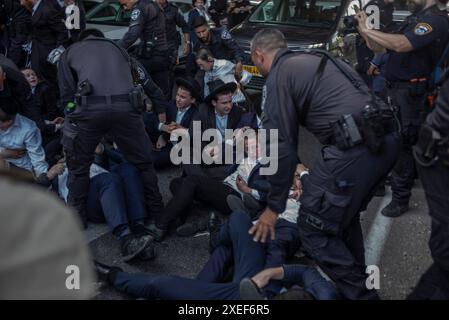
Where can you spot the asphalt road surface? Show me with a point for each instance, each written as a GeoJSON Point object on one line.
{"type": "Point", "coordinates": [397, 246]}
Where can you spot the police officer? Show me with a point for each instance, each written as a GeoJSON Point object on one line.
{"type": "Point", "coordinates": [219, 42]}
{"type": "Point", "coordinates": [364, 54]}
{"type": "Point", "coordinates": [330, 100]}
{"type": "Point", "coordinates": [432, 156]}
{"type": "Point", "coordinates": [99, 76]}
{"type": "Point", "coordinates": [413, 56]}
{"type": "Point", "coordinates": [148, 25]}
{"type": "Point", "coordinates": [17, 22]}
{"type": "Point", "coordinates": [174, 19]}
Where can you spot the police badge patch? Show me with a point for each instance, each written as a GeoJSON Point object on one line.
{"type": "Point", "coordinates": [422, 29]}
{"type": "Point", "coordinates": [226, 35]}
{"type": "Point", "coordinates": [135, 14]}
{"type": "Point", "coordinates": [141, 73]}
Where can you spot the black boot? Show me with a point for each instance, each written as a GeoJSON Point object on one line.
{"type": "Point", "coordinates": [394, 209]}
{"type": "Point", "coordinates": [157, 233]}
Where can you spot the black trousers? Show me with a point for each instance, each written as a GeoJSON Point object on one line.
{"type": "Point", "coordinates": [338, 188]}
{"type": "Point", "coordinates": [209, 191]}
{"type": "Point", "coordinates": [411, 115]}
{"type": "Point", "coordinates": [83, 131]}
{"type": "Point", "coordinates": [158, 67]}
{"type": "Point", "coordinates": [434, 284]}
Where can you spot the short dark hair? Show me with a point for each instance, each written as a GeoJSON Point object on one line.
{"type": "Point", "coordinates": [221, 93]}
{"type": "Point", "coordinates": [8, 109]}
{"type": "Point", "coordinates": [199, 21]}
{"type": "Point", "coordinates": [203, 54]}
{"type": "Point", "coordinates": [268, 40]}
{"type": "Point", "coordinates": [90, 32]}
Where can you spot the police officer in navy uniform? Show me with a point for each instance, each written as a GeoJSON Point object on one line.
{"type": "Point", "coordinates": [413, 56]}
{"type": "Point", "coordinates": [220, 42]}
{"type": "Point", "coordinates": [101, 78]}
{"type": "Point", "coordinates": [148, 25]}
{"type": "Point", "coordinates": [329, 99]}
{"type": "Point", "coordinates": [173, 19]}
{"type": "Point", "coordinates": [432, 157]}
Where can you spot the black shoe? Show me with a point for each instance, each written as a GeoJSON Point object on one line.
{"type": "Point", "coordinates": [191, 228]}
{"type": "Point", "coordinates": [394, 209]}
{"type": "Point", "coordinates": [148, 253]}
{"type": "Point", "coordinates": [294, 294]}
{"type": "Point", "coordinates": [133, 245]}
{"type": "Point", "coordinates": [250, 291]}
{"type": "Point", "coordinates": [106, 273]}
{"type": "Point", "coordinates": [213, 226]}
{"type": "Point", "coordinates": [157, 233]}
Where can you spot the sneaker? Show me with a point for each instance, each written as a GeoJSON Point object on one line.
{"type": "Point", "coordinates": [394, 209]}
{"type": "Point", "coordinates": [132, 245]}
{"type": "Point", "coordinates": [191, 228]}
{"type": "Point", "coordinates": [157, 233]}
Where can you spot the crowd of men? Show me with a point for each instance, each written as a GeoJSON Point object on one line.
{"type": "Point", "coordinates": [92, 123]}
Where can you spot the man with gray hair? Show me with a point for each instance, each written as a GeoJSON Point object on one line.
{"type": "Point", "coordinates": [329, 99]}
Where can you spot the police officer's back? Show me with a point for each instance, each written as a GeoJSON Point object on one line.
{"type": "Point", "coordinates": [97, 75]}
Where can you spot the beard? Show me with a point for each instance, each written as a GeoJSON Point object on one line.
{"type": "Point", "coordinates": [414, 6]}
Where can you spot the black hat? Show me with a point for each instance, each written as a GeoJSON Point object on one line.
{"type": "Point", "coordinates": [199, 21]}
{"type": "Point", "coordinates": [218, 86]}
{"type": "Point", "coordinates": [190, 84]}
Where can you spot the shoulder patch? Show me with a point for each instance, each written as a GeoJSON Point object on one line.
{"type": "Point", "coordinates": [226, 35]}
{"type": "Point", "coordinates": [135, 14]}
{"type": "Point", "coordinates": [423, 28]}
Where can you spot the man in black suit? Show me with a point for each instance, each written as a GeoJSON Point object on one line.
{"type": "Point", "coordinates": [48, 33]}
{"type": "Point", "coordinates": [180, 114]}
{"type": "Point", "coordinates": [218, 113]}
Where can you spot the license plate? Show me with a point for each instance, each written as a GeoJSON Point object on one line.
{"type": "Point", "coordinates": [253, 70]}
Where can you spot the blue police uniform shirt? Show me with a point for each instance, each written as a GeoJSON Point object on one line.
{"type": "Point", "coordinates": [428, 33]}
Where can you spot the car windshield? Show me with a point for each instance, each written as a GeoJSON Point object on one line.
{"type": "Point", "coordinates": [309, 13]}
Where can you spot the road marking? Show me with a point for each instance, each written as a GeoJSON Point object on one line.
{"type": "Point", "coordinates": [378, 234]}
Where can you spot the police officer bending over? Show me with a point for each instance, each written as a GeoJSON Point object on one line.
{"type": "Point", "coordinates": [148, 25]}
{"type": "Point", "coordinates": [432, 155]}
{"type": "Point", "coordinates": [329, 99]}
{"type": "Point", "coordinates": [413, 56]}
{"type": "Point", "coordinates": [99, 77]}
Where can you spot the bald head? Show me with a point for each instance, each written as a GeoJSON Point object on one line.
{"type": "Point", "coordinates": [264, 46]}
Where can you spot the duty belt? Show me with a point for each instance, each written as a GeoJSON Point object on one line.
{"type": "Point", "coordinates": [104, 99]}
{"type": "Point", "coordinates": [404, 84]}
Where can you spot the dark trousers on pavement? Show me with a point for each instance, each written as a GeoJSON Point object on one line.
{"type": "Point", "coordinates": [249, 259]}
{"type": "Point", "coordinates": [277, 253]}
{"type": "Point", "coordinates": [411, 117]}
{"type": "Point", "coordinates": [434, 284]}
{"type": "Point", "coordinates": [85, 128]}
{"type": "Point", "coordinates": [209, 191]}
{"type": "Point", "coordinates": [338, 188]}
{"type": "Point", "coordinates": [116, 197]}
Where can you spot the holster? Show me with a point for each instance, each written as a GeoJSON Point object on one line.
{"type": "Point", "coordinates": [136, 97]}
